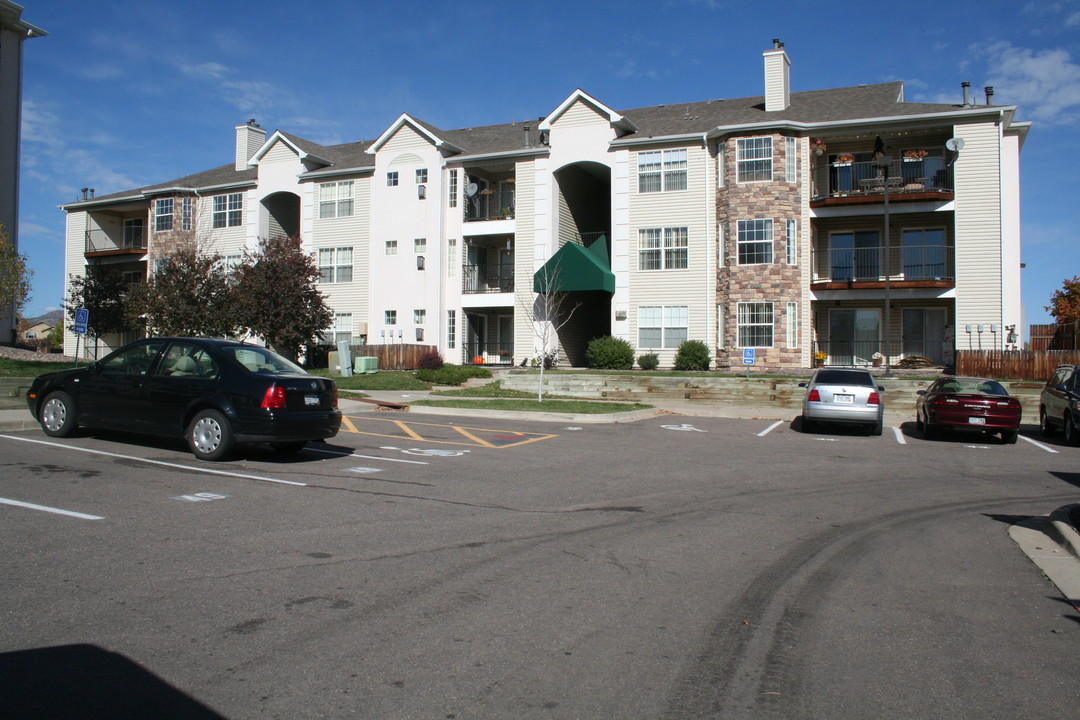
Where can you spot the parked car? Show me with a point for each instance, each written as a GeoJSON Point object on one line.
{"type": "Point", "coordinates": [971, 403]}
{"type": "Point", "coordinates": [843, 395]}
{"type": "Point", "coordinates": [212, 393]}
{"type": "Point", "coordinates": [1059, 404]}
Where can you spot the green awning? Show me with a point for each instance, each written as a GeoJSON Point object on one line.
{"type": "Point", "coordinates": [576, 268]}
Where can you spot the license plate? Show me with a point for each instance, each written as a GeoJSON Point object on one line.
{"type": "Point", "coordinates": [311, 399]}
{"type": "Point", "coordinates": [976, 421]}
{"type": "Point", "coordinates": [843, 398]}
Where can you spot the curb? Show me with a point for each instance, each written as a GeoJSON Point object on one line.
{"type": "Point", "coordinates": [1061, 528]}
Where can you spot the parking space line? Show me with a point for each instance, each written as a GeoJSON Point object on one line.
{"type": "Point", "coordinates": [348, 424]}
{"type": "Point", "coordinates": [1038, 444]}
{"type": "Point", "coordinates": [339, 453]}
{"type": "Point", "coordinates": [408, 430]}
{"type": "Point", "coordinates": [470, 436]}
{"type": "Point", "coordinates": [769, 429]}
{"type": "Point", "coordinates": [179, 466]}
{"type": "Point", "coordinates": [46, 508]}
{"type": "Point", "coordinates": [478, 441]}
{"type": "Point", "coordinates": [899, 436]}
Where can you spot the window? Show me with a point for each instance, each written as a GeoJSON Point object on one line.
{"type": "Point", "coordinates": [336, 199]}
{"type": "Point", "coordinates": [233, 261]}
{"type": "Point", "coordinates": [753, 159]}
{"type": "Point", "coordinates": [927, 255]}
{"type": "Point", "coordinates": [755, 242]}
{"type": "Point", "coordinates": [163, 214]}
{"type": "Point", "coordinates": [135, 233]}
{"type": "Point", "coordinates": [451, 257]}
{"type": "Point", "coordinates": [453, 188]}
{"type": "Point", "coordinates": [791, 159]}
{"type": "Point", "coordinates": [755, 325]}
{"type": "Point", "coordinates": [228, 210]}
{"type": "Point", "coordinates": [792, 242]}
{"type": "Point", "coordinates": [792, 317]}
{"type": "Point", "coordinates": [390, 317]}
{"type": "Point", "coordinates": [662, 248]}
{"type": "Point", "coordinates": [335, 265]}
{"type": "Point", "coordinates": [662, 326]}
{"type": "Point", "coordinates": [391, 179]}
{"type": "Point", "coordinates": [342, 328]}
{"type": "Point", "coordinates": [451, 328]}
{"type": "Point", "coordinates": [661, 171]}
{"type": "Point", "coordinates": [187, 214]}
{"type": "Point", "coordinates": [420, 245]}
{"type": "Point", "coordinates": [421, 176]}
{"type": "Point", "coordinates": [855, 255]}
{"type": "Point", "coordinates": [391, 247]}
{"type": "Point", "coordinates": [419, 317]}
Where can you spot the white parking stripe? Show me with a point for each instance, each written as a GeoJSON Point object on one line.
{"type": "Point", "coordinates": [1038, 444]}
{"type": "Point", "coordinates": [366, 457]}
{"type": "Point", "coordinates": [209, 471]}
{"type": "Point", "coordinates": [45, 508]}
{"type": "Point", "coordinates": [899, 436]}
{"type": "Point", "coordinates": [769, 429]}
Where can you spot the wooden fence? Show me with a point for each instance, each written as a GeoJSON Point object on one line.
{"type": "Point", "coordinates": [1062, 336]}
{"type": "Point", "coordinates": [402, 356]}
{"type": "Point", "coordinates": [1013, 364]}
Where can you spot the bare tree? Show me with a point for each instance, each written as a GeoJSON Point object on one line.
{"type": "Point", "coordinates": [548, 312]}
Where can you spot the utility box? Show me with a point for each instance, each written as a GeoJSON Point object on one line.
{"type": "Point", "coordinates": [345, 357]}
{"type": "Point", "coordinates": [366, 365]}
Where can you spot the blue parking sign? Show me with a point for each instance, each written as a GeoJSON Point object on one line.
{"type": "Point", "coordinates": [748, 356]}
{"type": "Point", "coordinates": [82, 320]}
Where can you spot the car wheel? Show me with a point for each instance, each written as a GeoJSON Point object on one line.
{"type": "Point", "coordinates": [210, 436]}
{"type": "Point", "coordinates": [930, 432]}
{"type": "Point", "coordinates": [877, 427]}
{"type": "Point", "coordinates": [1045, 428]}
{"type": "Point", "coordinates": [807, 425]}
{"type": "Point", "coordinates": [58, 415]}
{"type": "Point", "coordinates": [1009, 437]}
{"type": "Point", "coordinates": [918, 422]}
{"type": "Point", "coordinates": [289, 448]}
{"type": "Point", "coordinates": [1072, 435]}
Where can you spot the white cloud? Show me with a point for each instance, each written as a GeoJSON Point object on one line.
{"type": "Point", "coordinates": [207, 70]}
{"type": "Point", "coordinates": [1044, 83]}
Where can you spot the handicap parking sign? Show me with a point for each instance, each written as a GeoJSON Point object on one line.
{"type": "Point", "coordinates": [748, 356]}
{"type": "Point", "coordinates": [82, 319]}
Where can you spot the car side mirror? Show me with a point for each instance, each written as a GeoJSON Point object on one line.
{"type": "Point", "coordinates": [1060, 387]}
{"type": "Point", "coordinates": [881, 388]}
{"type": "Point", "coordinates": [802, 384]}
{"type": "Point", "coordinates": [920, 392]}
{"type": "Point", "coordinates": [95, 367]}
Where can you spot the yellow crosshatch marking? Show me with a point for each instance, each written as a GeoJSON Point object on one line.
{"type": "Point", "coordinates": [441, 434]}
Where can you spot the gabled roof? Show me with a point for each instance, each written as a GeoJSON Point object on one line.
{"type": "Point", "coordinates": [432, 133]}
{"type": "Point", "coordinates": [613, 117]}
{"type": "Point", "coordinates": [305, 150]}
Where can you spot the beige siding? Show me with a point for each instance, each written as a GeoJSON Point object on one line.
{"type": "Point", "coordinates": [405, 139]}
{"type": "Point", "coordinates": [580, 114]}
{"type": "Point", "coordinates": [353, 231]}
{"type": "Point", "coordinates": [978, 225]}
{"type": "Point", "coordinates": [279, 152]}
{"type": "Point", "coordinates": [524, 229]}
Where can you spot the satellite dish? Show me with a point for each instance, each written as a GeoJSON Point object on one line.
{"type": "Point", "coordinates": [955, 144]}
{"type": "Point", "coordinates": [471, 189]}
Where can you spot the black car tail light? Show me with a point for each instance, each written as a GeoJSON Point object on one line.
{"type": "Point", "coordinates": [273, 398]}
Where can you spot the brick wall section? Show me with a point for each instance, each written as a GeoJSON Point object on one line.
{"type": "Point", "coordinates": [777, 282]}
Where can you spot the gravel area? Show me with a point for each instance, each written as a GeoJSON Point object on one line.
{"type": "Point", "coordinates": [15, 353]}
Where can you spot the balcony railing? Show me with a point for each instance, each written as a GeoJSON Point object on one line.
{"type": "Point", "coordinates": [917, 263]}
{"type": "Point", "coordinates": [871, 353]}
{"type": "Point", "coordinates": [496, 205]}
{"type": "Point", "coordinates": [118, 240]}
{"type": "Point", "coordinates": [479, 353]}
{"type": "Point", "coordinates": [488, 277]}
{"type": "Point", "coordinates": [906, 175]}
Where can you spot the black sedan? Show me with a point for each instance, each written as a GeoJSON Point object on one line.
{"type": "Point", "coordinates": [970, 403]}
{"type": "Point", "coordinates": [213, 393]}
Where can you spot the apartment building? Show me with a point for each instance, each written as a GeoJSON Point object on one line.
{"type": "Point", "coordinates": [845, 223]}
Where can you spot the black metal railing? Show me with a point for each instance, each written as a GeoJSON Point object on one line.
{"type": "Point", "coordinates": [125, 238]}
{"type": "Point", "coordinates": [848, 352]}
{"type": "Point", "coordinates": [480, 353]}
{"type": "Point", "coordinates": [910, 262]}
{"type": "Point", "coordinates": [496, 205]}
{"type": "Point", "coordinates": [906, 175]}
{"type": "Point", "coordinates": [488, 277]}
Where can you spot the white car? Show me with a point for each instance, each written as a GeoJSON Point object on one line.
{"type": "Point", "coordinates": [843, 395]}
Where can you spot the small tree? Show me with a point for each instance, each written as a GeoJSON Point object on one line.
{"type": "Point", "coordinates": [104, 292]}
{"type": "Point", "coordinates": [548, 312]}
{"type": "Point", "coordinates": [1065, 302]}
{"type": "Point", "coordinates": [277, 295]}
{"type": "Point", "coordinates": [14, 277]}
{"type": "Point", "coordinates": [190, 293]}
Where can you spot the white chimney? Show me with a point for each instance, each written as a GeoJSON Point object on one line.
{"type": "Point", "coordinates": [249, 138]}
{"type": "Point", "coordinates": [777, 78]}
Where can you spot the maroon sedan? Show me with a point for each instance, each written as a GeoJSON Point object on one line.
{"type": "Point", "coordinates": [968, 403]}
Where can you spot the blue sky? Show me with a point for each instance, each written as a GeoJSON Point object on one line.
{"type": "Point", "coordinates": [126, 93]}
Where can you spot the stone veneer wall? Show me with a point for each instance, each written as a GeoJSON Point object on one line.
{"type": "Point", "coordinates": [777, 282]}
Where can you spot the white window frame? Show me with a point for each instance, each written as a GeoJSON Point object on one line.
{"type": "Point", "coordinates": [672, 322]}
{"type": "Point", "coordinates": [163, 214]}
{"type": "Point", "coordinates": [343, 327]}
{"type": "Point", "coordinates": [453, 185]}
{"type": "Point", "coordinates": [756, 232]}
{"type": "Point", "coordinates": [419, 245]}
{"type": "Point", "coordinates": [451, 257]}
{"type": "Point", "coordinates": [792, 325]}
{"type": "Point", "coordinates": [791, 159]}
{"type": "Point", "coordinates": [662, 170]}
{"type": "Point", "coordinates": [451, 329]}
{"type": "Point", "coordinates": [187, 213]}
{"type": "Point", "coordinates": [421, 176]}
{"type": "Point", "coordinates": [336, 265]}
{"type": "Point", "coordinates": [754, 159]}
{"type": "Point", "coordinates": [755, 320]}
{"type": "Point", "coordinates": [227, 210]}
{"type": "Point", "coordinates": [792, 241]}
{"type": "Point", "coordinates": [392, 178]}
{"type": "Point", "coordinates": [389, 317]}
{"type": "Point", "coordinates": [335, 199]}
{"type": "Point", "coordinates": [663, 248]}
{"type": "Point", "coordinates": [391, 247]}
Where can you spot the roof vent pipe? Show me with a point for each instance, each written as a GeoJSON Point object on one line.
{"type": "Point", "coordinates": [92, 193]}
{"type": "Point", "coordinates": [777, 45]}
{"type": "Point", "coordinates": [84, 193]}
{"type": "Point", "coordinates": [966, 85]}
{"type": "Point", "coordinates": [528, 143]}
{"type": "Point", "coordinates": [989, 93]}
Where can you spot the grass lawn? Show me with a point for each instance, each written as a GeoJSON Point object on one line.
{"type": "Point", "coordinates": [31, 368]}
{"type": "Point", "coordinates": [382, 380]}
{"type": "Point", "coordinates": [584, 407]}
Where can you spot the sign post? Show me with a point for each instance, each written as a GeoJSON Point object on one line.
{"type": "Point", "coordinates": [82, 321]}
{"type": "Point", "coordinates": [748, 360]}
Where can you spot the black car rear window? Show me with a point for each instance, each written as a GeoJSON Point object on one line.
{"type": "Point", "coordinates": [843, 377]}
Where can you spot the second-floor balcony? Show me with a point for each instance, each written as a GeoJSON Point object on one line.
{"type": "Point", "coordinates": [495, 202]}
{"type": "Point", "coordinates": [851, 178]}
{"type": "Point", "coordinates": [495, 277]}
{"type": "Point", "coordinates": [127, 240]}
{"type": "Point", "coordinates": [931, 265]}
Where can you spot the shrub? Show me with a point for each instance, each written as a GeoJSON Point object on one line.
{"type": "Point", "coordinates": [648, 361]}
{"type": "Point", "coordinates": [450, 374]}
{"type": "Point", "coordinates": [609, 353]}
{"type": "Point", "coordinates": [431, 360]}
{"type": "Point", "coordinates": [692, 355]}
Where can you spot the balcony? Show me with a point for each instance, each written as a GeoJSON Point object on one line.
{"type": "Point", "coordinates": [860, 180]}
{"type": "Point", "coordinates": [497, 277]}
{"type": "Point", "coordinates": [488, 353]}
{"type": "Point", "coordinates": [494, 202]}
{"type": "Point", "coordinates": [863, 267]}
{"type": "Point", "coordinates": [128, 240]}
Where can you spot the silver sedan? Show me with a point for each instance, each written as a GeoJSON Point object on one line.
{"type": "Point", "coordinates": [843, 395]}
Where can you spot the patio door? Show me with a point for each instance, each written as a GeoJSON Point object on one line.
{"type": "Point", "coordinates": [924, 333]}
{"type": "Point", "coordinates": [505, 327]}
{"type": "Point", "coordinates": [854, 336]}
{"type": "Point", "coordinates": [475, 337]}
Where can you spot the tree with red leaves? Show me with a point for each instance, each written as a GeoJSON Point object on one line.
{"type": "Point", "coordinates": [1065, 303]}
